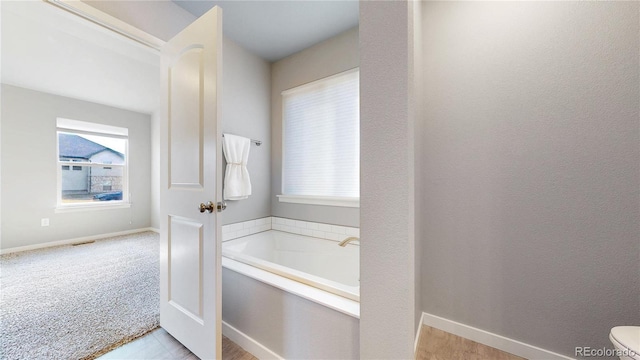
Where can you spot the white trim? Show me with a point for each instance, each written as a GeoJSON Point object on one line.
{"type": "Point", "coordinates": [249, 344]}
{"type": "Point", "coordinates": [155, 230]}
{"type": "Point", "coordinates": [107, 21]}
{"type": "Point", "coordinates": [320, 200]}
{"type": "Point", "coordinates": [91, 207]}
{"type": "Point", "coordinates": [92, 128]}
{"type": "Point", "coordinates": [308, 85]}
{"type": "Point", "coordinates": [418, 333]}
{"type": "Point", "coordinates": [490, 339]}
{"type": "Point", "coordinates": [72, 241]}
{"type": "Point", "coordinates": [90, 164]}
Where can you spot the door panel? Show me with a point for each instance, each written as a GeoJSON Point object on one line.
{"type": "Point", "coordinates": [190, 247]}
{"type": "Point", "coordinates": [185, 262]}
{"type": "Point", "coordinates": [186, 118]}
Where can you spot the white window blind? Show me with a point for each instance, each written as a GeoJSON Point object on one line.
{"type": "Point", "coordinates": [321, 138]}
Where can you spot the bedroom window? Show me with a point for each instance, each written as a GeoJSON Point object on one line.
{"type": "Point", "coordinates": [97, 155]}
{"type": "Point", "coordinates": [321, 142]}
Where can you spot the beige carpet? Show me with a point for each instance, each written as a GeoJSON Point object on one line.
{"type": "Point", "coordinates": [74, 302]}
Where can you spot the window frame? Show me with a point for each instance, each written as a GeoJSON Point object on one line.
{"type": "Point", "coordinates": [77, 127]}
{"type": "Point", "coordinates": [338, 201]}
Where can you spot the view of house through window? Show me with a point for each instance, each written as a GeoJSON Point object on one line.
{"type": "Point", "coordinates": [92, 163]}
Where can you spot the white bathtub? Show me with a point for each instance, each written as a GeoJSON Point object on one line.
{"type": "Point", "coordinates": [316, 262]}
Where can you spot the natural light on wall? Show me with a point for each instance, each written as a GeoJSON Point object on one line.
{"type": "Point", "coordinates": [321, 142]}
{"type": "Point", "coordinates": [92, 165]}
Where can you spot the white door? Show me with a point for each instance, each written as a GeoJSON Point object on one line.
{"type": "Point", "coordinates": [190, 260]}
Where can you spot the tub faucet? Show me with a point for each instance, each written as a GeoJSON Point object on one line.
{"type": "Point", "coordinates": [344, 242]}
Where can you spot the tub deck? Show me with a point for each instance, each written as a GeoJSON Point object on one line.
{"type": "Point", "coordinates": [319, 263]}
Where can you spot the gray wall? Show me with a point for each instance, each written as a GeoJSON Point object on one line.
{"type": "Point", "coordinates": [286, 324]}
{"type": "Point", "coordinates": [246, 104]}
{"type": "Point", "coordinates": [530, 214]}
{"type": "Point", "coordinates": [416, 113]}
{"type": "Point", "coordinates": [387, 256]}
{"type": "Point", "coordinates": [327, 58]}
{"type": "Point", "coordinates": [28, 163]}
{"type": "Point", "coordinates": [0, 133]}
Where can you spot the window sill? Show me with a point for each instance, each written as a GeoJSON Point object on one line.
{"type": "Point", "coordinates": [78, 208]}
{"type": "Point", "coordinates": [321, 200]}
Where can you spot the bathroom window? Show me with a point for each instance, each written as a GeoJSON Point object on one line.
{"type": "Point", "coordinates": [97, 157]}
{"type": "Point", "coordinates": [321, 142]}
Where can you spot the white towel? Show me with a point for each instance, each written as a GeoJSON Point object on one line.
{"type": "Point", "coordinates": [237, 184]}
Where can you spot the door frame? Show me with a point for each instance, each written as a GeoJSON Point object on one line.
{"type": "Point", "coordinates": [142, 38]}
{"type": "Point", "coordinates": [107, 21]}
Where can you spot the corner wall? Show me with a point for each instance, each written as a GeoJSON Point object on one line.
{"type": "Point", "coordinates": [0, 126]}
{"type": "Point", "coordinates": [246, 105]}
{"type": "Point", "coordinates": [330, 57]}
{"type": "Point", "coordinates": [530, 204]}
{"type": "Point", "coordinates": [29, 168]}
{"type": "Point", "coordinates": [416, 113]}
{"type": "Point", "coordinates": [387, 253]}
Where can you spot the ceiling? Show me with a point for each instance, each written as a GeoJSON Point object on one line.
{"type": "Point", "coordinates": [48, 49]}
{"type": "Point", "coordinates": [276, 29]}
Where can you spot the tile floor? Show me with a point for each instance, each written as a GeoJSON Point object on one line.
{"type": "Point", "coordinates": [439, 345]}
{"type": "Point", "coordinates": [159, 345]}
{"type": "Point", "coordinates": [434, 344]}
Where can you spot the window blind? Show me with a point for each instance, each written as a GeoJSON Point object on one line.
{"type": "Point", "coordinates": [321, 137]}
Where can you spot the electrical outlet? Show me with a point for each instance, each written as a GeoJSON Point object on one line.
{"type": "Point", "coordinates": [44, 222]}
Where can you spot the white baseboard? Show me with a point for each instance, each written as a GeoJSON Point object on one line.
{"type": "Point", "coordinates": [72, 241]}
{"type": "Point", "coordinates": [155, 230]}
{"type": "Point", "coordinates": [490, 339]}
{"type": "Point", "coordinates": [244, 341]}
